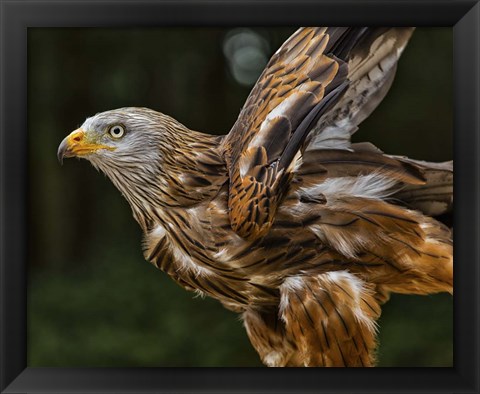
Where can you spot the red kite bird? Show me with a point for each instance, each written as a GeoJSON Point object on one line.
{"type": "Point", "coordinates": [284, 220]}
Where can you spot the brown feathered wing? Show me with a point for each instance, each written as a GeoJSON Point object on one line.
{"type": "Point", "coordinates": [303, 81]}
{"type": "Point", "coordinates": [312, 95]}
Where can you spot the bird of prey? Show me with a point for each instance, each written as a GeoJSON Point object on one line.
{"type": "Point", "coordinates": [283, 219]}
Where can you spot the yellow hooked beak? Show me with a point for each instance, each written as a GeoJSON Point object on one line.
{"type": "Point", "coordinates": [77, 144]}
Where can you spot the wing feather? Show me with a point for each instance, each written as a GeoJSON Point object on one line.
{"type": "Point", "coordinates": [372, 68]}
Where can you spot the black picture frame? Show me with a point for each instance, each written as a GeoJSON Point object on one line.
{"type": "Point", "coordinates": [18, 15]}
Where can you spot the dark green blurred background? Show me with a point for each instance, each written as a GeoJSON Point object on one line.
{"type": "Point", "coordinates": [93, 300]}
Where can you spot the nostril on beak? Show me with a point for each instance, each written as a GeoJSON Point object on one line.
{"type": "Point", "coordinates": [76, 136]}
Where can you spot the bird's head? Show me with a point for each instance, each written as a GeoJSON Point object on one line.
{"type": "Point", "coordinates": [119, 137]}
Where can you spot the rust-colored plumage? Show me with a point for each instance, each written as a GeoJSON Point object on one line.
{"type": "Point", "coordinates": [284, 220]}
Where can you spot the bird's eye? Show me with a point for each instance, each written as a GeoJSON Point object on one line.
{"type": "Point", "coordinates": [117, 131]}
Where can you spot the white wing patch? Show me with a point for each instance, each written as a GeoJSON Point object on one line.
{"type": "Point", "coordinates": [374, 185]}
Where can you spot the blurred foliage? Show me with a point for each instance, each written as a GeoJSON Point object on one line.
{"type": "Point", "coordinates": [93, 300]}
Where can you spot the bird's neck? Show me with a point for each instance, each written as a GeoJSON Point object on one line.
{"type": "Point", "coordinates": [189, 171]}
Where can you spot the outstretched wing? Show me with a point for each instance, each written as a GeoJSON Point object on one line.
{"type": "Point", "coordinates": [305, 78]}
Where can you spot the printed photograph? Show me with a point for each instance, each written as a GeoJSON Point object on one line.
{"type": "Point", "coordinates": [240, 197]}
